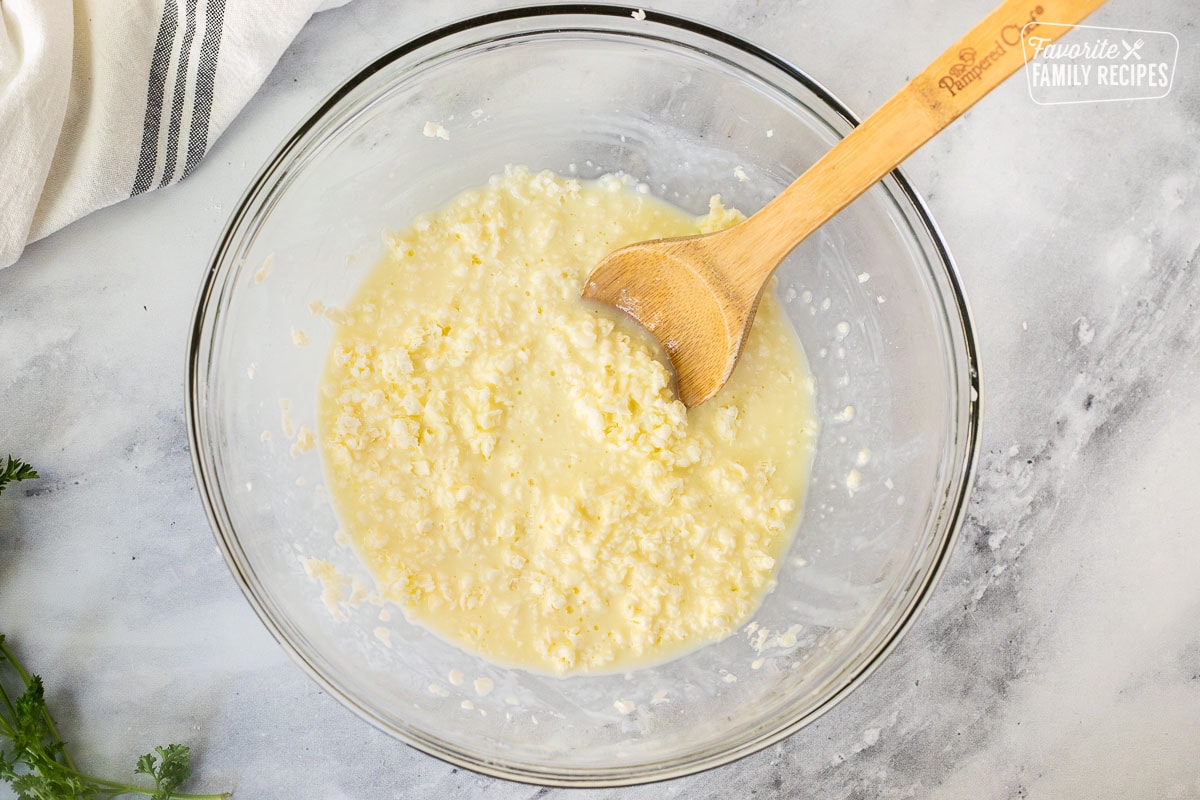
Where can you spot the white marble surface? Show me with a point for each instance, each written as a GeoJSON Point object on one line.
{"type": "Point", "coordinates": [1059, 656]}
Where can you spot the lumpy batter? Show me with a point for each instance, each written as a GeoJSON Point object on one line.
{"type": "Point", "coordinates": [512, 463]}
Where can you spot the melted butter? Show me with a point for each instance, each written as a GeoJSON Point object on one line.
{"type": "Point", "coordinates": [512, 464]}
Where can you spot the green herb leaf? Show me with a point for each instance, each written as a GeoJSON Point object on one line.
{"type": "Point", "coordinates": [37, 766]}
{"type": "Point", "coordinates": [173, 770]}
{"type": "Point", "coordinates": [14, 470]}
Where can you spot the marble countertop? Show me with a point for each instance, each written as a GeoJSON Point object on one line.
{"type": "Point", "coordinates": [1059, 656]}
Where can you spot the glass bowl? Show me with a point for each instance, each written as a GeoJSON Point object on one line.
{"type": "Point", "coordinates": [587, 90]}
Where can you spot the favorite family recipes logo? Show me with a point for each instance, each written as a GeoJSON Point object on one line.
{"type": "Point", "coordinates": [1090, 64]}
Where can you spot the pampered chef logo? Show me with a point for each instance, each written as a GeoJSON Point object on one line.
{"type": "Point", "coordinates": [972, 64]}
{"type": "Point", "coordinates": [1091, 64]}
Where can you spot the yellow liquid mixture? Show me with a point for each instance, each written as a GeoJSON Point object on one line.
{"type": "Point", "coordinates": [511, 462]}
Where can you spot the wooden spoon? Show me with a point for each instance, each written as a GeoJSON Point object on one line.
{"type": "Point", "coordinates": [697, 295]}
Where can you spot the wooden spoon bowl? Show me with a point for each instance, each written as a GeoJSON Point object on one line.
{"type": "Point", "coordinates": [698, 295]}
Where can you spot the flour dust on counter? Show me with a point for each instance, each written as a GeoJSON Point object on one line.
{"type": "Point", "coordinates": [512, 463]}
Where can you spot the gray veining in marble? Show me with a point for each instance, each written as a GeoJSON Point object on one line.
{"type": "Point", "coordinates": [1058, 658]}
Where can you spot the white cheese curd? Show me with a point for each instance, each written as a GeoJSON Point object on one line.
{"type": "Point", "coordinates": [512, 463]}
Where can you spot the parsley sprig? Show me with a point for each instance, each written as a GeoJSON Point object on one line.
{"type": "Point", "coordinates": [38, 767]}
{"type": "Point", "coordinates": [15, 470]}
{"type": "Point", "coordinates": [35, 761]}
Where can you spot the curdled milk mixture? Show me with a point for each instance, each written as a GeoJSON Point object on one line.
{"type": "Point", "coordinates": [511, 462]}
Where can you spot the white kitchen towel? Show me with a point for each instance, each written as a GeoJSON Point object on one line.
{"type": "Point", "coordinates": [101, 100]}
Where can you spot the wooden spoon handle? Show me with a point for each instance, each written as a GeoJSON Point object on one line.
{"type": "Point", "coordinates": [955, 81]}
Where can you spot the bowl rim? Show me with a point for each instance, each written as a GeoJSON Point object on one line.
{"type": "Point", "coordinates": [919, 592]}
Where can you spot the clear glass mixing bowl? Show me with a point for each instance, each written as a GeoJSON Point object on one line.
{"type": "Point", "coordinates": [691, 111]}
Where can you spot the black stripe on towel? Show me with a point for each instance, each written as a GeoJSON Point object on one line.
{"type": "Point", "coordinates": [206, 76]}
{"type": "Point", "coordinates": [181, 77]}
{"type": "Point", "coordinates": [159, 66]}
